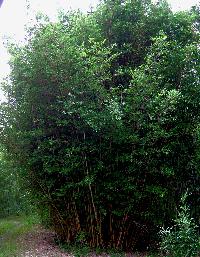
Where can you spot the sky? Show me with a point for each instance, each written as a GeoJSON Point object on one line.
{"type": "Point", "coordinates": [14, 16]}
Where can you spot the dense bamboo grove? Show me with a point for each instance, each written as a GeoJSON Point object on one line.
{"type": "Point", "coordinates": [103, 120]}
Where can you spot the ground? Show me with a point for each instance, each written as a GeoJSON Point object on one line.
{"type": "Point", "coordinates": [22, 237]}
{"type": "Point", "coordinates": [40, 243]}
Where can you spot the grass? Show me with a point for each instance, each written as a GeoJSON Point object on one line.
{"type": "Point", "coordinates": [10, 231]}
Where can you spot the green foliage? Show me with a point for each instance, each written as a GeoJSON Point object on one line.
{"type": "Point", "coordinates": [102, 119]}
{"type": "Point", "coordinates": [182, 239]}
{"type": "Point", "coordinates": [14, 199]}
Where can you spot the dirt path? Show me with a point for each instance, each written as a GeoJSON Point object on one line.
{"type": "Point", "coordinates": [40, 243]}
{"type": "Point", "coordinates": [20, 238]}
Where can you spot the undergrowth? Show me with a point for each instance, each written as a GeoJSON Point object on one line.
{"type": "Point", "coordinates": [182, 239]}
{"type": "Point", "coordinates": [82, 250]}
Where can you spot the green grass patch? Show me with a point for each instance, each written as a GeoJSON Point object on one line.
{"type": "Point", "coordinates": [10, 231]}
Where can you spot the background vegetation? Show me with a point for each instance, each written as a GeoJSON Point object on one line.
{"type": "Point", "coordinates": [102, 120]}
{"type": "Point", "coordinates": [15, 199]}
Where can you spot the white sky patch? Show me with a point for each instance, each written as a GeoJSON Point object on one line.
{"type": "Point", "coordinates": [178, 5]}
{"type": "Point", "coordinates": [14, 16]}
